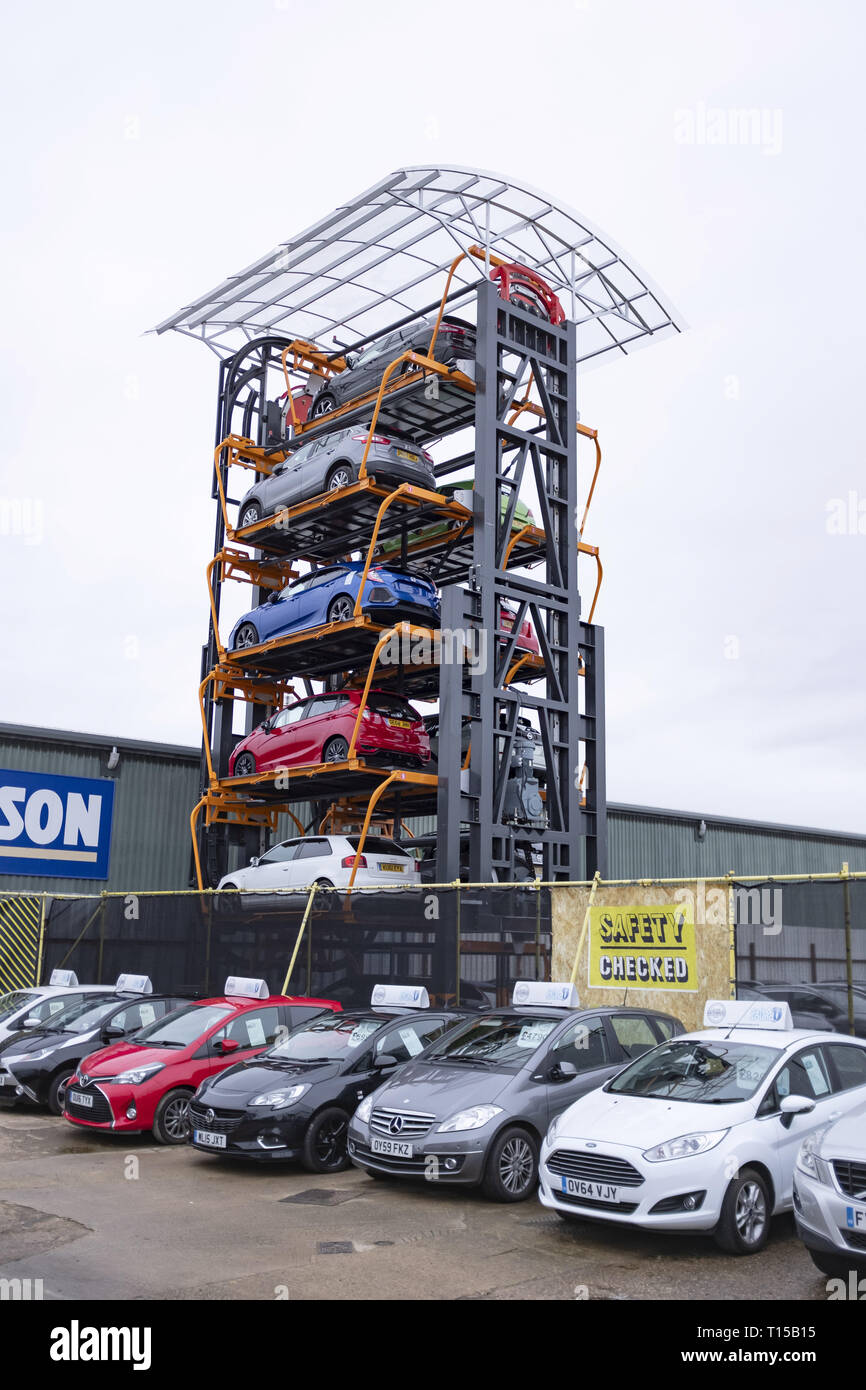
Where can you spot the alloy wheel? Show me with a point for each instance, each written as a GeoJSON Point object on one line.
{"type": "Point", "coordinates": [176, 1118]}
{"type": "Point", "coordinates": [330, 1141]}
{"type": "Point", "coordinates": [750, 1213]}
{"type": "Point", "coordinates": [516, 1164]}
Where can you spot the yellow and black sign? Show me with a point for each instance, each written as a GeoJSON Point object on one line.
{"type": "Point", "coordinates": [19, 942]}
{"type": "Point", "coordinates": [649, 947]}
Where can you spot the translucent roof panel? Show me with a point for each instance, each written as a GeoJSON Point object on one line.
{"type": "Point", "coordinates": [385, 255]}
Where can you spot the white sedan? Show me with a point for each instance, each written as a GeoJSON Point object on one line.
{"type": "Point", "coordinates": [702, 1133]}
{"type": "Point", "coordinates": [324, 861]}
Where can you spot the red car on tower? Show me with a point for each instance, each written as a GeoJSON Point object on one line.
{"type": "Point", "coordinates": [147, 1081]}
{"type": "Point", "coordinates": [319, 730]}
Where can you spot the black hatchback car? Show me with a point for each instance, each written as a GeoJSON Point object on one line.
{"type": "Point", "coordinates": [474, 1108]}
{"type": "Point", "coordinates": [455, 341]}
{"type": "Point", "coordinates": [40, 1063]}
{"type": "Point", "coordinates": [294, 1101]}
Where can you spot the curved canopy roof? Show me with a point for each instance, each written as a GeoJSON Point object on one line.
{"type": "Point", "coordinates": [384, 255]}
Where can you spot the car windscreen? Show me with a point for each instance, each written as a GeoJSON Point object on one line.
{"type": "Point", "coordinates": [708, 1072]}
{"type": "Point", "coordinates": [392, 707]}
{"type": "Point", "coordinates": [182, 1027]}
{"type": "Point", "coordinates": [15, 999]}
{"type": "Point", "coordinates": [328, 1039]}
{"type": "Point", "coordinates": [504, 1041]}
{"type": "Point", "coordinates": [73, 1010]}
{"type": "Point", "coordinates": [378, 844]}
{"type": "Point", "coordinates": [89, 1016]}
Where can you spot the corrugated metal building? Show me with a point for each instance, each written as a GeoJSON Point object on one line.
{"type": "Point", "coordinates": [156, 787]}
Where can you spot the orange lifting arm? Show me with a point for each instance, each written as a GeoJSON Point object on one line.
{"type": "Point", "coordinates": [401, 629]}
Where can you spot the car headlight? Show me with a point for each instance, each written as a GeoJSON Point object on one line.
{"type": "Point", "coordinates": [552, 1129]}
{"type": "Point", "coordinates": [473, 1118]}
{"type": "Point", "coordinates": [28, 1056]}
{"type": "Point", "coordinates": [686, 1146]}
{"type": "Point", "coordinates": [810, 1161]}
{"type": "Point", "coordinates": [280, 1100]}
{"type": "Point", "coordinates": [134, 1076]}
{"type": "Point", "coordinates": [365, 1110]}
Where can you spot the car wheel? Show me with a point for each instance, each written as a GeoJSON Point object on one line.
{"type": "Point", "coordinates": [229, 903]}
{"type": "Point", "coordinates": [171, 1121]}
{"type": "Point", "coordinates": [325, 1142]}
{"type": "Point", "coordinates": [246, 636]}
{"type": "Point", "coordinates": [341, 609]}
{"type": "Point", "coordinates": [744, 1224]}
{"type": "Point", "coordinates": [245, 765]}
{"type": "Point", "coordinates": [249, 515]}
{"type": "Point", "coordinates": [324, 404]}
{"type": "Point", "coordinates": [57, 1091]}
{"type": "Point", "coordinates": [336, 750]}
{"type": "Point", "coordinates": [340, 477]}
{"type": "Point", "coordinates": [835, 1266]}
{"type": "Point", "coordinates": [512, 1166]}
{"type": "Point", "coordinates": [324, 896]}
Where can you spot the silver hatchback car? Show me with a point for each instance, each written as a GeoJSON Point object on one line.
{"type": "Point", "coordinates": [333, 462]}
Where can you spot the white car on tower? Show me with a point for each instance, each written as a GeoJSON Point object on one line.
{"type": "Point", "coordinates": [702, 1133]}
{"type": "Point", "coordinates": [326, 862]}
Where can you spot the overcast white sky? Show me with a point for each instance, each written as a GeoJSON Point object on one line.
{"type": "Point", "coordinates": [150, 150]}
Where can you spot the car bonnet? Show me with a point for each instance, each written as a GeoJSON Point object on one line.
{"type": "Point", "coordinates": [641, 1121]}
{"type": "Point", "coordinates": [442, 1088]}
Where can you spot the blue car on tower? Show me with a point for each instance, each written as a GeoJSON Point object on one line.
{"type": "Point", "coordinates": [328, 595]}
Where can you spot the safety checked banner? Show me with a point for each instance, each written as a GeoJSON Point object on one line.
{"type": "Point", "coordinates": [653, 947]}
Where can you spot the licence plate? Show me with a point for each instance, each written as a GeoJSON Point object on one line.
{"type": "Point", "coordinates": [79, 1098]}
{"type": "Point", "coordinates": [6, 1079]}
{"type": "Point", "coordinates": [397, 1148]}
{"type": "Point", "coordinates": [856, 1218]}
{"type": "Point", "coordinates": [399, 723]}
{"type": "Point", "coordinates": [404, 454]}
{"type": "Point", "coordinates": [208, 1139]}
{"type": "Point", "coordinates": [598, 1191]}
{"type": "Point", "coordinates": [392, 868]}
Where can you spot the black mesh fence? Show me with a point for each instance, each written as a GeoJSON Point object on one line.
{"type": "Point", "coordinates": [801, 933]}
{"type": "Point", "coordinates": [465, 943]}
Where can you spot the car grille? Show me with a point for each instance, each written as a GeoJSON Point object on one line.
{"type": "Point", "coordinates": [410, 1124]}
{"type": "Point", "coordinates": [223, 1122]}
{"type": "Point", "coordinates": [99, 1113]}
{"type": "Point", "coordinates": [594, 1168]}
{"type": "Point", "coordinates": [622, 1207]}
{"type": "Point", "coordinates": [851, 1177]}
{"type": "Point", "coordinates": [856, 1239]}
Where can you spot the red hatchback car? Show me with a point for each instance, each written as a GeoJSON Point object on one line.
{"type": "Point", "coordinates": [147, 1081]}
{"type": "Point", "coordinates": [319, 730]}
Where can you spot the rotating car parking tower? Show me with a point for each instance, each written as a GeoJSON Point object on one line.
{"type": "Point", "coordinates": [405, 231]}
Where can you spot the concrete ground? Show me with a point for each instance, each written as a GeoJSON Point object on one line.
{"type": "Point", "coordinates": [95, 1217]}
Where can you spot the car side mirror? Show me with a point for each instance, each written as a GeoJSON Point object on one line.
{"type": "Point", "coordinates": [383, 1061]}
{"type": "Point", "coordinates": [254, 861]}
{"type": "Point", "coordinates": [562, 1071]}
{"type": "Point", "coordinates": [29, 1021]}
{"type": "Point", "coordinates": [273, 596]}
{"type": "Point", "coordinates": [110, 1032]}
{"type": "Point", "coordinates": [351, 359]}
{"type": "Point", "coordinates": [228, 1045]}
{"type": "Point", "coordinates": [795, 1105]}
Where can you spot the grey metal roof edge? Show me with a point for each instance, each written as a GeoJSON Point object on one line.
{"type": "Point", "coordinates": [33, 734]}
{"type": "Point", "coordinates": [736, 822]}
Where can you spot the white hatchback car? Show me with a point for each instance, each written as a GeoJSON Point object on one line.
{"type": "Point", "coordinates": [324, 861]}
{"type": "Point", "coordinates": [702, 1133]}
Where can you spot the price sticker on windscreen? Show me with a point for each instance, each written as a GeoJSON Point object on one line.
{"type": "Point", "coordinates": [643, 947]}
{"type": "Point", "coordinates": [411, 1041]}
{"type": "Point", "coordinates": [256, 1032]}
{"type": "Point", "coordinates": [360, 1032]}
{"type": "Point", "coordinates": [533, 1034]}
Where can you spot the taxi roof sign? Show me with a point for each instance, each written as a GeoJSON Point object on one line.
{"type": "Point", "coordinates": [551, 993]}
{"type": "Point", "coordinates": [64, 978]}
{"type": "Point", "coordinates": [406, 996]}
{"type": "Point", "coordinates": [245, 987]}
{"type": "Point", "coordinates": [134, 984]}
{"type": "Point", "coordinates": [772, 1014]}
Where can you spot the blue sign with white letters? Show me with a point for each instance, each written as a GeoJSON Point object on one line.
{"type": "Point", "coordinates": [55, 827]}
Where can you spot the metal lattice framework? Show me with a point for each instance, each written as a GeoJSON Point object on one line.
{"type": "Point", "coordinates": [382, 256]}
